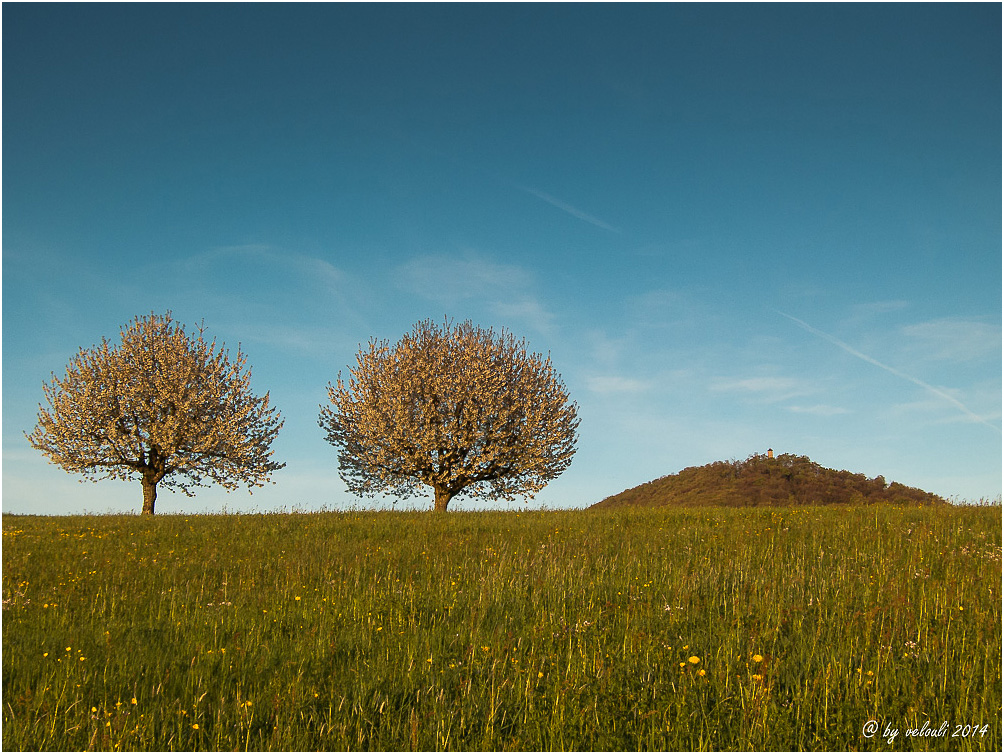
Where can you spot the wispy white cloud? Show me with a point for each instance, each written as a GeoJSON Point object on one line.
{"type": "Point", "coordinates": [270, 260]}
{"type": "Point", "coordinates": [609, 352]}
{"type": "Point", "coordinates": [753, 384]}
{"type": "Point", "coordinates": [661, 308]}
{"type": "Point", "coordinates": [449, 279]}
{"type": "Point", "coordinates": [505, 290]}
{"type": "Point", "coordinates": [954, 339]}
{"type": "Point", "coordinates": [933, 405]}
{"type": "Point", "coordinates": [306, 339]}
{"type": "Point", "coordinates": [566, 207]}
{"type": "Point", "coordinates": [526, 309]}
{"type": "Point", "coordinates": [875, 308]}
{"type": "Point", "coordinates": [768, 388]}
{"type": "Point", "coordinates": [310, 304]}
{"type": "Point", "coordinates": [820, 409]}
{"type": "Point", "coordinates": [942, 393]}
{"type": "Point", "coordinates": [614, 384]}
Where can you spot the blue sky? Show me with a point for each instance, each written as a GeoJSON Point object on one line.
{"type": "Point", "coordinates": [733, 227]}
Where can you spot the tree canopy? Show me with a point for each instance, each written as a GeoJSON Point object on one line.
{"type": "Point", "coordinates": [760, 480]}
{"type": "Point", "coordinates": [453, 407]}
{"type": "Point", "coordinates": [168, 407]}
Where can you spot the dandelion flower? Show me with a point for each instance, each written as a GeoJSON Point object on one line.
{"type": "Point", "coordinates": [195, 726]}
{"type": "Point", "coordinates": [701, 672]}
{"type": "Point", "coordinates": [133, 701]}
{"type": "Point", "coordinates": [694, 660]}
{"type": "Point", "coordinates": [757, 658]}
{"type": "Point", "coordinates": [683, 664]}
{"type": "Point", "coordinates": [540, 675]}
{"type": "Point", "coordinates": [757, 677]}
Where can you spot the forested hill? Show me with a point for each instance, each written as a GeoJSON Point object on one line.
{"type": "Point", "coordinates": [761, 480]}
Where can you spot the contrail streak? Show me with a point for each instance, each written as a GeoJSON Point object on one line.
{"type": "Point", "coordinates": [865, 357]}
{"type": "Point", "coordinates": [574, 212]}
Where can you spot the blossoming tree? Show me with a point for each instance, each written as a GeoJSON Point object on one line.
{"type": "Point", "coordinates": [162, 405]}
{"type": "Point", "coordinates": [456, 408]}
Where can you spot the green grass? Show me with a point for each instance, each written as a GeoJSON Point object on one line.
{"type": "Point", "coordinates": [547, 630]}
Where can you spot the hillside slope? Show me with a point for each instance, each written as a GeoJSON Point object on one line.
{"type": "Point", "coordinates": [761, 480]}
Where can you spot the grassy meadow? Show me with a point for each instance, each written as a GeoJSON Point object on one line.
{"type": "Point", "coordinates": [654, 629]}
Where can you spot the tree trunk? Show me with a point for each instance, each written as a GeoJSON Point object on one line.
{"type": "Point", "coordinates": [443, 498]}
{"type": "Point", "coordinates": [149, 495]}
